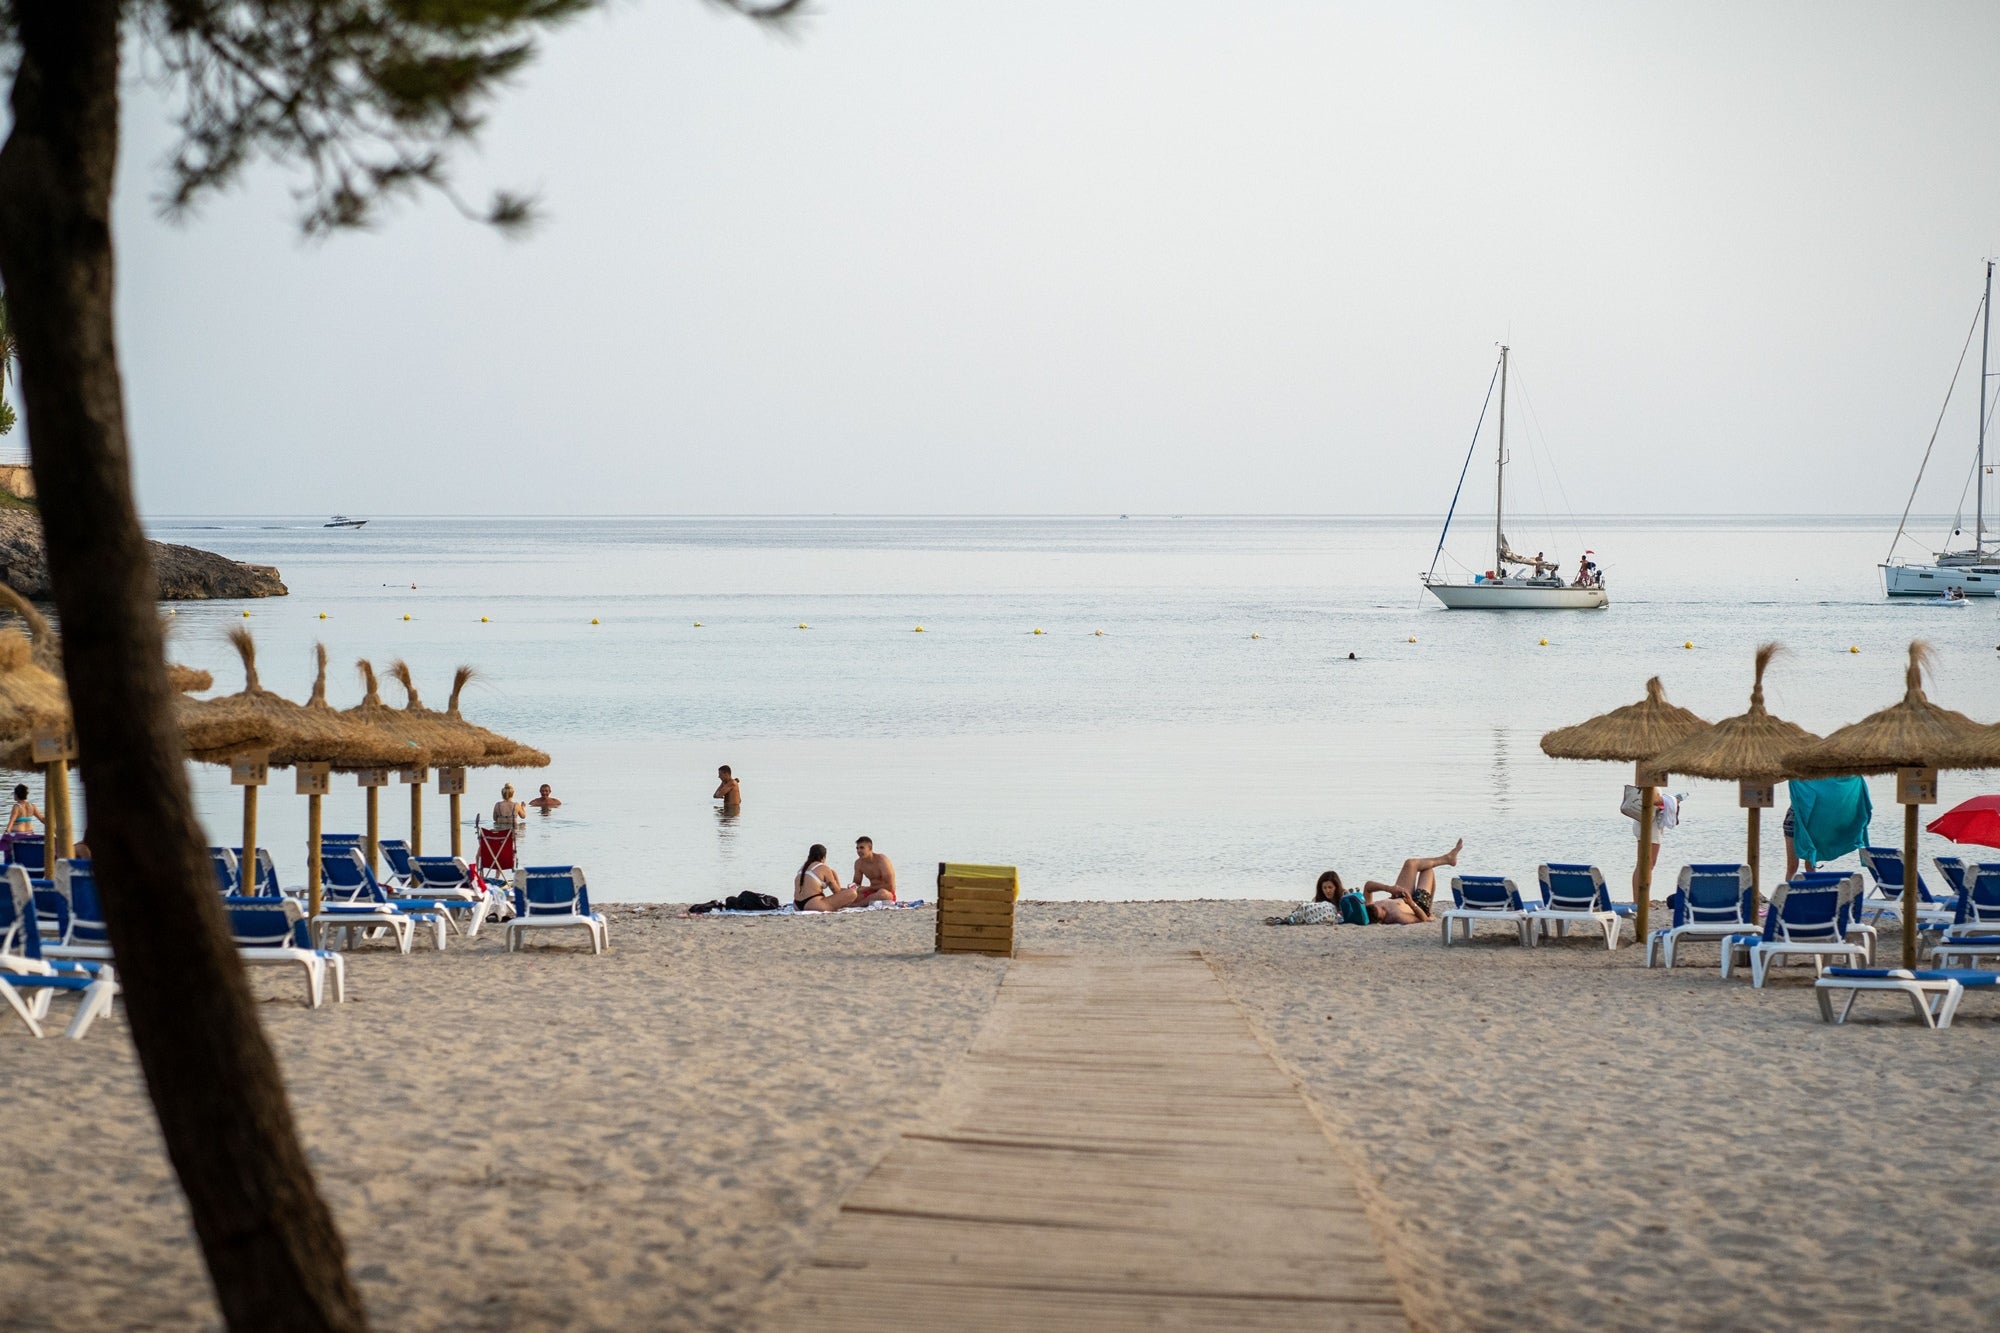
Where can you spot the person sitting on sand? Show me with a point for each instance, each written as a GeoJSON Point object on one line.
{"type": "Point", "coordinates": [874, 874]}
{"type": "Point", "coordinates": [817, 887]}
{"type": "Point", "coordinates": [1408, 900]}
{"type": "Point", "coordinates": [728, 790]}
{"type": "Point", "coordinates": [1323, 910]}
{"type": "Point", "coordinates": [548, 800]}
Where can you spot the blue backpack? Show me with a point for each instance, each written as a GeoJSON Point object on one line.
{"type": "Point", "coordinates": [1353, 909]}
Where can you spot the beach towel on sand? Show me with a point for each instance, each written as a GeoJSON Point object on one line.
{"type": "Point", "coordinates": [789, 910]}
{"type": "Point", "coordinates": [1829, 818]}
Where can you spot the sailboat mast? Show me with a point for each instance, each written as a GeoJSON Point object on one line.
{"type": "Point", "coordinates": [1500, 477]}
{"type": "Point", "coordinates": [1979, 470]}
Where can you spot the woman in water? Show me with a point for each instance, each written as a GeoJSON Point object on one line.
{"type": "Point", "coordinates": [817, 887]}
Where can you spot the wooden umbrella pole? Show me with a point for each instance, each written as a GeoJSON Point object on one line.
{"type": "Point", "coordinates": [417, 818]}
{"type": "Point", "coordinates": [62, 839]}
{"type": "Point", "coordinates": [457, 833]}
{"type": "Point", "coordinates": [1756, 869]}
{"type": "Point", "coordinates": [1643, 893]}
{"type": "Point", "coordinates": [246, 869]}
{"type": "Point", "coordinates": [1909, 886]}
{"type": "Point", "coordinates": [374, 826]}
{"type": "Point", "coordinates": [313, 866]}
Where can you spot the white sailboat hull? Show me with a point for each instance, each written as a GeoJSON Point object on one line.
{"type": "Point", "coordinates": [1932, 580]}
{"type": "Point", "coordinates": [1518, 597]}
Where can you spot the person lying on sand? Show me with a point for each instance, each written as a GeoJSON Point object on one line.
{"type": "Point", "coordinates": [874, 874]}
{"type": "Point", "coordinates": [1408, 900]}
{"type": "Point", "coordinates": [1323, 910]}
{"type": "Point", "coordinates": [817, 887]}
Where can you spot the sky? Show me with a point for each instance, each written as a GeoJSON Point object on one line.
{"type": "Point", "coordinates": [1204, 256]}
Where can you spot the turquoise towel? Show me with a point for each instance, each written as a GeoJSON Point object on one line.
{"type": "Point", "coordinates": [1829, 818]}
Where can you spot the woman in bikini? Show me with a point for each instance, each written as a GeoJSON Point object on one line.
{"type": "Point", "coordinates": [817, 888]}
{"type": "Point", "coordinates": [1408, 900]}
{"type": "Point", "coordinates": [24, 816]}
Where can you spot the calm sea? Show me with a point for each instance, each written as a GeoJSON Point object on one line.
{"type": "Point", "coordinates": [1188, 724]}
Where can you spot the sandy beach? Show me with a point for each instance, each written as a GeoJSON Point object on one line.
{"type": "Point", "coordinates": [655, 1138]}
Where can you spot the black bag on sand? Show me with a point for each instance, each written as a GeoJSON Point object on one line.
{"type": "Point", "coordinates": [703, 909]}
{"type": "Point", "coordinates": [750, 902]}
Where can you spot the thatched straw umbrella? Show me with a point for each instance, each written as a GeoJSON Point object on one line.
{"type": "Point", "coordinates": [498, 752]}
{"type": "Point", "coordinates": [391, 722]}
{"type": "Point", "coordinates": [1912, 739]}
{"type": "Point", "coordinates": [332, 741]}
{"type": "Point", "coordinates": [1750, 749]}
{"type": "Point", "coordinates": [450, 745]}
{"type": "Point", "coordinates": [50, 717]}
{"type": "Point", "coordinates": [1632, 734]}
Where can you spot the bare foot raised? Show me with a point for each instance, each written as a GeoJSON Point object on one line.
{"type": "Point", "coordinates": [1450, 858]}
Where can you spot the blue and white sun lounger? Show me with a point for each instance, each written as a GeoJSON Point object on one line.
{"type": "Point", "coordinates": [30, 851]}
{"type": "Point", "coordinates": [396, 855]}
{"type": "Point", "coordinates": [30, 982]}
{"type": "Point", "coordinates": [351, 902]}
{"type": "Point", "coordinates": [1973, 938]}
{"type": "Point", "coordinates": [1484, 898]}
{"type": "Point", "coordinates": [1933, 994]}
{"type": "Point", "coordinates": [275, 930]}
{"type": "Point", "coordinates": [447, 884]}
{"type": "Point", "coordinates": [1573, 893]}
{"type": "Point", "coordinates": [555, 897]}
{"type": "Point", "coordinates": [88, 938]}
{"type": "Point", "coordinates": [1805, 919]}
{"type": "Point", "coordinates": [226, 876]}
{"type": "Point", "coordinates": [1885, 865]}
{"type": "Point", "coordinates": [1712, 902]}
{"type": "Point", "coordinates": [265, 882]}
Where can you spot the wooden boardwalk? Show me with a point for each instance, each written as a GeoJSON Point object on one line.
{"type": "Point", "coordinates": [1116, 1151]}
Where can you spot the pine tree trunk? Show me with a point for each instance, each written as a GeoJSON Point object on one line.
{"type": "Point", "coordinates": [272, 1249]}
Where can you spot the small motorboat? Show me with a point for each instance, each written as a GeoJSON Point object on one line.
{"type": "Point", "coordinates": [343, 521]}
{"type": "Point", "coordinates": [1952, 597]}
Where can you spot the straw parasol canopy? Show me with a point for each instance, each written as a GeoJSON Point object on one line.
{"type": "Point", "coordinates": [30, 698]}
{"type": "Point", "coordinates": [1750, 747]}
{"type": "Point", "coordinates": [389, 721]}
{"type": "Point", "coordinates": [1630, 734]}
{"type": "Point", "coordinates": [256, 719]}
{"type": "Point", "coordinates": [452, 744]}
{"type": "Point", "coordinates": [347, 743]}
{"type": "Point", "coordinates": [1913, 733]}
{"type": "Point", "coordinates": [499, 752]}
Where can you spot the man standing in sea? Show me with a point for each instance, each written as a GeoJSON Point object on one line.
{"type": "Point", "coordinates": [728, 791]}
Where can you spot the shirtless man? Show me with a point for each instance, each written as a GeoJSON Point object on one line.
{"type": "Point", "coordinates": [728, 791]}
{"type": "Point", "coordinates": [874, 874]}
{"type": "Point", "coordinates": [548, 800]}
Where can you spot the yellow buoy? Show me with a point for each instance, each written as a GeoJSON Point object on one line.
{"type": "Point", "coordinates": [697, 624]}
{"type": "Point", "coordinates": [483, 620]}
{"type": "Point", "coordinates": [1688, 644]}
{"type": "Point", "coordinates": [593, 620]}
{"type": "Point", "coordinates": [246, 615]}
{"type": "Point", "coordinates": [918, 630]}
{"type": "Point", "coordinates": [406, 615]}
{"type": "Point", "coordinates": [322, 615]}
{"type": "Point", "coordinates": [1038, 631]}
{"type": "Point", "coordinates": [1852, 648]}
{"type": "Point", "coordinates": [1256, 636]}
{"type": "Point", "coordinates": [1545, 643]}
{"type": "Point", "coordinates": [1413, 638]}
{"type": "Point", "coordinates": [1098, 632]}
{"type": "Point", "coordinates": [803, 625]}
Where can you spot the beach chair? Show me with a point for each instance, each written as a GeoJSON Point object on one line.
{"type": "Point", "coordinates": [1484, 898]}
{"type": "Point", "coordinates": [88, 939]}
{"type": "Point", "coordinates": [497, 848]}
{"type": "Point", "coordinates": [1885, 866]}
{"type": "Point", "coordinates": [29, 981]}
{"type": "Point", "coordinates": [227, 876]}
{"type": "Point", "coordinates": [1712, 902]}
{"type": "Point", "coordinates": [1973, 938]}
{"type": "Point", "coordinates": [1573, 893]}
{"type": "Point", "coordinates": [30, 851]}
{"type": "Point", "coordinates": [353, 904]}
{"type": "Point", "coordinates": [268, 930]}
{"type": "Point", "coordinates": [1934, 994]}
{"type": "Point", "coordinates": [555, 897]}
{"type": "Point", "coordinates": [265, 884]}
{"type": "Point", "coordinates": [396, 856]}
{"type": "Point", "coordinates": [447, 884]}
{"type": "Point", "coordinates": [1953, 870]}
{"type": "Point", "coordinates": [1804, 920]}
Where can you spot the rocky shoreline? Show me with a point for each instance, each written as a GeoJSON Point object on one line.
{"type": "Point", "coordinates": [186, 573]}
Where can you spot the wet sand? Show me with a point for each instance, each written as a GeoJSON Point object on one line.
{"type": "Point", "coordinates": [655, 1138]}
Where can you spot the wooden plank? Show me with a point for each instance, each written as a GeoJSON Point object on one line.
{"type": "Point", "coordinates": [1005, 950]}
{"type": "Point", "coordinates": [977, 871]}
{"type": "Point", "coordinates": [981, 890]}
{"type": "Point", "coordinates": [1117, 1151]}
{"type": "Point", "coordinates": [974, 930]}
{"type": "Point", "coordinates": [976, 911]}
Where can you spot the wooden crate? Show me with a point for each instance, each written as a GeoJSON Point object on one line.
{"type": "Point", "coordinates": [975, 908]}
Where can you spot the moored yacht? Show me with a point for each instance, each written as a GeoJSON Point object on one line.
{"type": "Point", "coordinates": [1515, 582]}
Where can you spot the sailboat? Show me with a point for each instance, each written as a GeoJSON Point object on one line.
{"type": "Point", "coordinates": [1975, 569]}
{"type": "Point", "coordinates": [1516, 582]}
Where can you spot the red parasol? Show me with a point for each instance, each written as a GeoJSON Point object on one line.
{"type": "Point", "coordinates": [1976, 821]}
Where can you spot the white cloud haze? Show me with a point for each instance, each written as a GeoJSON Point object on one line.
{"type": "Point", "coordinates": [1180, 257]}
